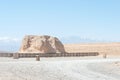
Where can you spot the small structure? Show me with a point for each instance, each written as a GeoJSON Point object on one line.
{"type": "Point", "coordinates": [37, 58]}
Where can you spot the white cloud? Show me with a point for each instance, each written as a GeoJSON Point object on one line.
{"type": "Point", "coordinates": [9, 39]}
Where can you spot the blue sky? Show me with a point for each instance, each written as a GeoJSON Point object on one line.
{"type": "Point", "coordinates": [94, 19]}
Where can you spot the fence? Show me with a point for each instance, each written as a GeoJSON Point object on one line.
{"type": "Point", "coordinates": [30, 55]}
{"type": "Point", "coordinates": [22, 55]}
{"type": "Point", "coordinates": [6, 54]}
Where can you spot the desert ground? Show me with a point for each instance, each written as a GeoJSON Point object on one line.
{"type": "Point", "coordinates": [102, 48]}
{"type": "Point", "coordinates": [66, 68]}
{"type": "Point", "coordinates": [61, 68]}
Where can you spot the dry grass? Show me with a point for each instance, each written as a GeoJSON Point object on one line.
{"type": "Point", "coordinates": [102, 48]}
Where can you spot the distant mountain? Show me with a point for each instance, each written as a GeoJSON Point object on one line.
{"type": "Point", "coordinates": [9, 44]}
{"type": "Point", "coordinates": [4, 52]}
{"type": "Point", "coordinates": [79, 40]}
{"type": "Point", "coordinates": [9, 47]}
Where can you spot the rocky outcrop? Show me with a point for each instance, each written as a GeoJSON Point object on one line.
{"type": "Point", "coordinates": [41, 44]}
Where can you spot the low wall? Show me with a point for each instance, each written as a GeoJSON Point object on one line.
{"type": "Point", "coordinates": [22, 55]}
{"type": "Point", "coordinates": [29, 55]}
{"type": "Point", "coordinates": [6, 54]}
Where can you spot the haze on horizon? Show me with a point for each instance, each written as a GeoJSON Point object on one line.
{"type": "Point", "coordinates": [92, 19]}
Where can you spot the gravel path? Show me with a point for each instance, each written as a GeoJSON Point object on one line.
{"type": "Point", "coordinates": [59, 70]}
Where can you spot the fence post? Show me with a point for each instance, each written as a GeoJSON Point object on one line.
{"type": "Point", "coordinates": [37, 58]}
{"type": "Point", "coordinates": [15, 55]}
{"type": "Point", "coordinates": [105, 56]}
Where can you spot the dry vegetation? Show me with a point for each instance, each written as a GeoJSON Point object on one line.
{"type": "Point", "coordinates": [102, 48]}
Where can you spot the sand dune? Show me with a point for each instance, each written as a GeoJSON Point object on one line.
{"type": "Point", "coordinates": [102, 48]}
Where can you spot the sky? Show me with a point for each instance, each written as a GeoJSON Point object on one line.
{"type": "Point", "coordinates": [94, 19]}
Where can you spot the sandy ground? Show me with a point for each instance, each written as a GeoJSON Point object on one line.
{"type": "Point", "coordinates": [69, 68]}
{"type": "Point", "coordinates": [102, 48]}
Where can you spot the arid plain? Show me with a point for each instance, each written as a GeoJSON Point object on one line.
{"type": "Point", "coordinates": [66, 68]}
{"type": "Point", "coordinates": [112, 49]}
